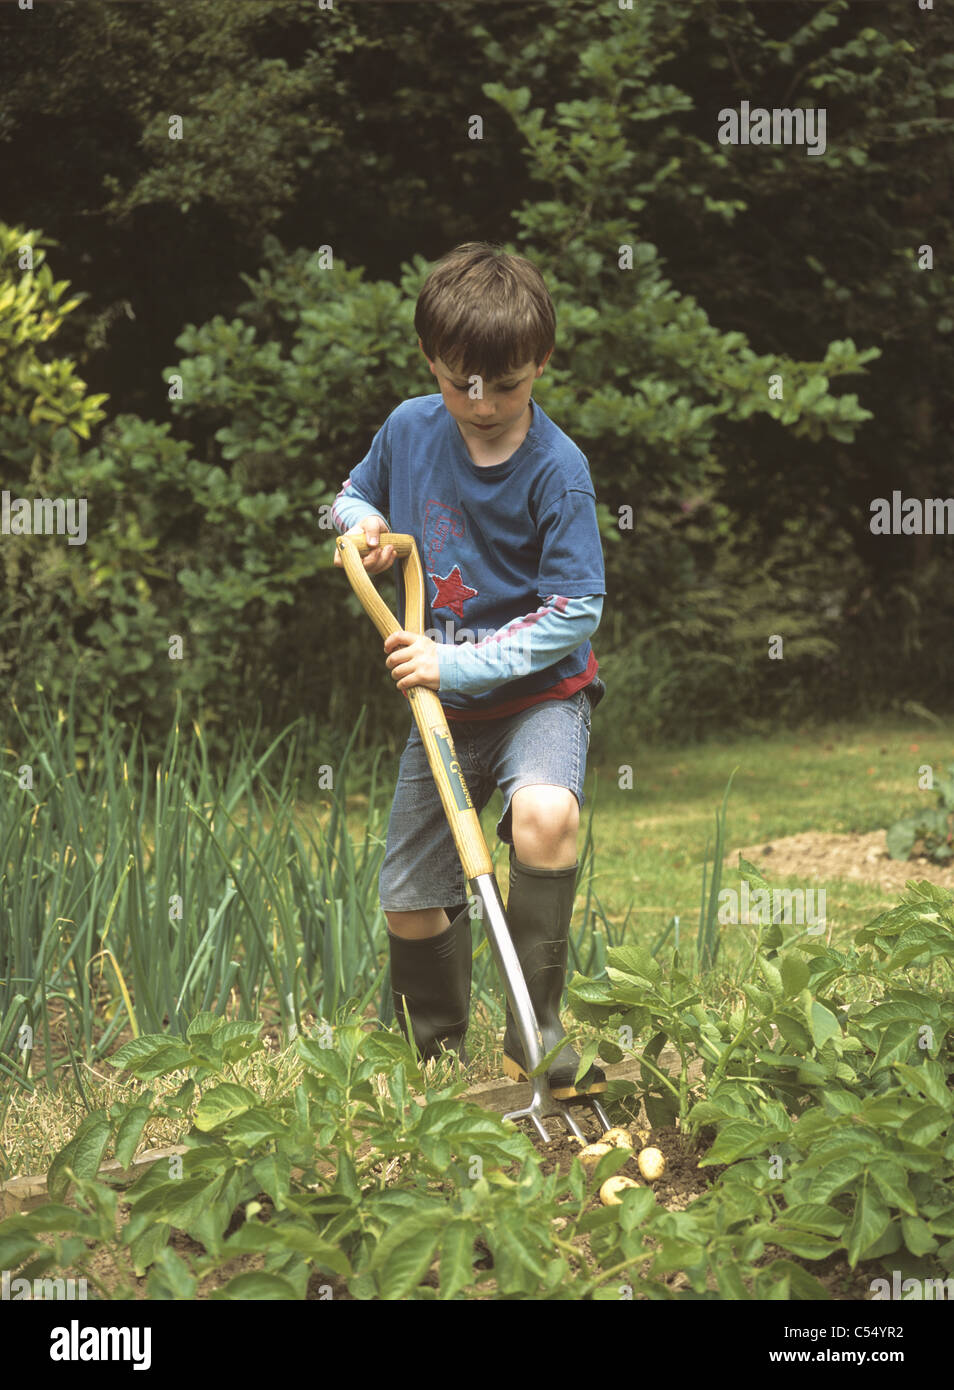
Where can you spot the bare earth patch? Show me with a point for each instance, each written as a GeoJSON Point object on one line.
{"type": "Point", "coordinates": [851, 858]}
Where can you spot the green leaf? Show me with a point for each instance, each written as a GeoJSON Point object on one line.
{"type": "Point", "coordinates": [802, 1285]}
{"type": "Point", "coordinates": [772, 935]}
{"type": "Point", "coordinates": [222, 1104]}
{"type": "Point", "coordinates": [456, 1258]}
{"type": "Point", "coordinates": [608, 1165]}
{"type": "Point", "coordinates": [152, 1055]}
{"type": "Point", "coordinates": [729, 1279]}
{"type": "Point", "coordinates": [806, 1244]}
{"type": "Point", "coordinates": [824, 1024]}
{"type": "Point", "coordinates": [576, 1182]}
{"type": "Point", "coordinates": [254, 1127]}
{"type": "Point", "coordinates": [748, 870]}
{"type": "Point", "coordinates": [925, 1124]}
{"type": "Point", "coordinates": [895, 1045]}
{"type": "Point", "coordinates": [888, 1243]}
{"type": "Point", "coordinates": [675, 1254]}
{"type": "Point", "coordinates": [660, 1110]}
{"type": "Point", "coordinates": [51, 1216]}
{"type": "Point", "coordinates": [814, 1216]}
{"type": "Point", "coordinates": [326, 1060]}
{"type": "Point", "coordinates": [273, 1171]}
{"type": "Point", "coordinates": [772, 978]}
{"type": "Point", "coordinates": [740, 1139]}
{"type": "Point", "coordinates": [257, 1286]}
{"type": "Point", "coordinates": [17, 1242]}
{"type": "Point", "coordinates": [929, 1080]}
{"type": "Point", "coordinates": [286, 1235]}
{"type": "Point", "coordinates": [405, 1253]}
{"type": "Point", "coordinates": [917, 1235]}
{"type": "Point", "coordinates": [170, 1278]}
{"type": "Point", "coordinates": [835, 1176]}
{"type": "Point", "coordinates": [512, 1243]}
{"type": "Point", "coordinates": [182, 1099]}
{"type": "Point", "coordinates": [760, 998]}
{"type": "Point", "coordinates": [893, 1184]}
{"type": "Point", "coordinates": [635, 1207]}
{"type": "Point", "coordinates": [870, 1220]}
{"type": "Point", "coordinates": [591, 991]}
{"type": "Point", "coordinates": [84, 1154]}
{"type": "Point", "coordinates": [176, 1202]}
{"type": "Point", "coordinates": [651, 1052]}
{"type": "Point", "coordinates": [795, 975]}
{"type": "Point", "coordinates": [587, 1058]}
{"type": "Point", "coordinates": [943, 1222]}
{"type": "Point", "coordinates": [130, 1132]}
{"type": "Point", "coordinates": [634, 960]}
{"type": "Point", "coordinates": [144, 1248]}
{"type": "Point", "coordinates": [924, 940]}
{"type": "Point", "coordinates": [795, 1035]}
{"type": "Point", "coordinates": [205, 1022]}
{"type": "Point", "coordinates": [346, 1179]}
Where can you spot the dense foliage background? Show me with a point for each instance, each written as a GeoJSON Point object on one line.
{"type": "Point", "coordinates": [238, 321]}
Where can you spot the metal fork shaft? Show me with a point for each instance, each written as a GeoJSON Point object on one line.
{"type": "Point", "coordinates": [542, 1102]}
{"type": "Point", "coordinates": [505, 954]}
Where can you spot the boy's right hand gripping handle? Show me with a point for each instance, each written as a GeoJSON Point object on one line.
{"type": "Point", "coordinates": [425, 706]}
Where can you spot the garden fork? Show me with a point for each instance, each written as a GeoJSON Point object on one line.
{"type": "Point", "coordinates": [464, 822]}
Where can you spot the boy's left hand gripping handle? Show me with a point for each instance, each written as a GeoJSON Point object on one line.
{"type": "Point", "coordinates": [403, 545]}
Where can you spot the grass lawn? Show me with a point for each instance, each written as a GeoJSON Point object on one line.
{"type": "Point", "coordinates": [651, 840]}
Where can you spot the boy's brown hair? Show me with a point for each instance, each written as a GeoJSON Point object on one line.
{"type": "Point", "coordinates": [484, 311]}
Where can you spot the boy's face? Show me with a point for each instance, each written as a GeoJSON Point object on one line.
{"type": "Point", "coordinates": [501, 407]}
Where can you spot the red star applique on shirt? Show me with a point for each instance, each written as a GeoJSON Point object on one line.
{"type": "Point", "coordinates": [452, 592]}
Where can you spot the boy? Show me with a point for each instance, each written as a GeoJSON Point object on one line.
{"type": "Point", "coordinates": [501, 506]}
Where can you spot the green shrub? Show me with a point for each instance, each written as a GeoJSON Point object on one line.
{"type": "Point", "coordinates": [932, 825]}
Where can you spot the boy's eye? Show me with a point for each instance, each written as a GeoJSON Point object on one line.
{"type": "Point", "coordinates": [465, 386]}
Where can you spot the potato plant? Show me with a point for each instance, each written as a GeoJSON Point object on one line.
{"type": "Point", "coordinates": [831, 1124]}
{"type": "Point", "coordinates": [836, 1119]}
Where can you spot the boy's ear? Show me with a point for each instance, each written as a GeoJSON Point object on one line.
{"type": "Point", "coordinates": [541, 365]}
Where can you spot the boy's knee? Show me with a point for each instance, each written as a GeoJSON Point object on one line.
{"type": "Point", "coordinates": [545, 824]}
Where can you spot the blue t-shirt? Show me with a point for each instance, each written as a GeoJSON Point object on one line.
{"type": "Point", "coordinates": [494, 541]}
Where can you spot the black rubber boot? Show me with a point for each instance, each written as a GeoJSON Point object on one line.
{"type": "Point", "coordinates": [433, 975]}
{"type": "Point", "coordinates": [539, 909]}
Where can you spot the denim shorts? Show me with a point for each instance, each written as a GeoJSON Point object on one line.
{"type": "Point", "coordinates": [546, 743]}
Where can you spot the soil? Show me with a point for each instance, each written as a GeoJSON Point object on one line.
{"type": "Point", "coordinates": [851, 858]}
{"type": "Point", "coordinates": [682, 1182]}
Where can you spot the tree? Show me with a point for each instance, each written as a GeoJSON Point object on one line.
{"type": "Point", "coordinates": [45, 410]}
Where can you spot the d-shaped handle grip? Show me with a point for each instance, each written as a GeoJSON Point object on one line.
{"type": "Point", "coordinates": [352, 548]}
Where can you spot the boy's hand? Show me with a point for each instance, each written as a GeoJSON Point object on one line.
{"type": "Point", "coordinates": [413, 660]}
{"type": "Point", "coordinates": [377, 559]}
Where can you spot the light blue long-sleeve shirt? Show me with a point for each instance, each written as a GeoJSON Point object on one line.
{"type": "Point", "coordinates": [529, 643]}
